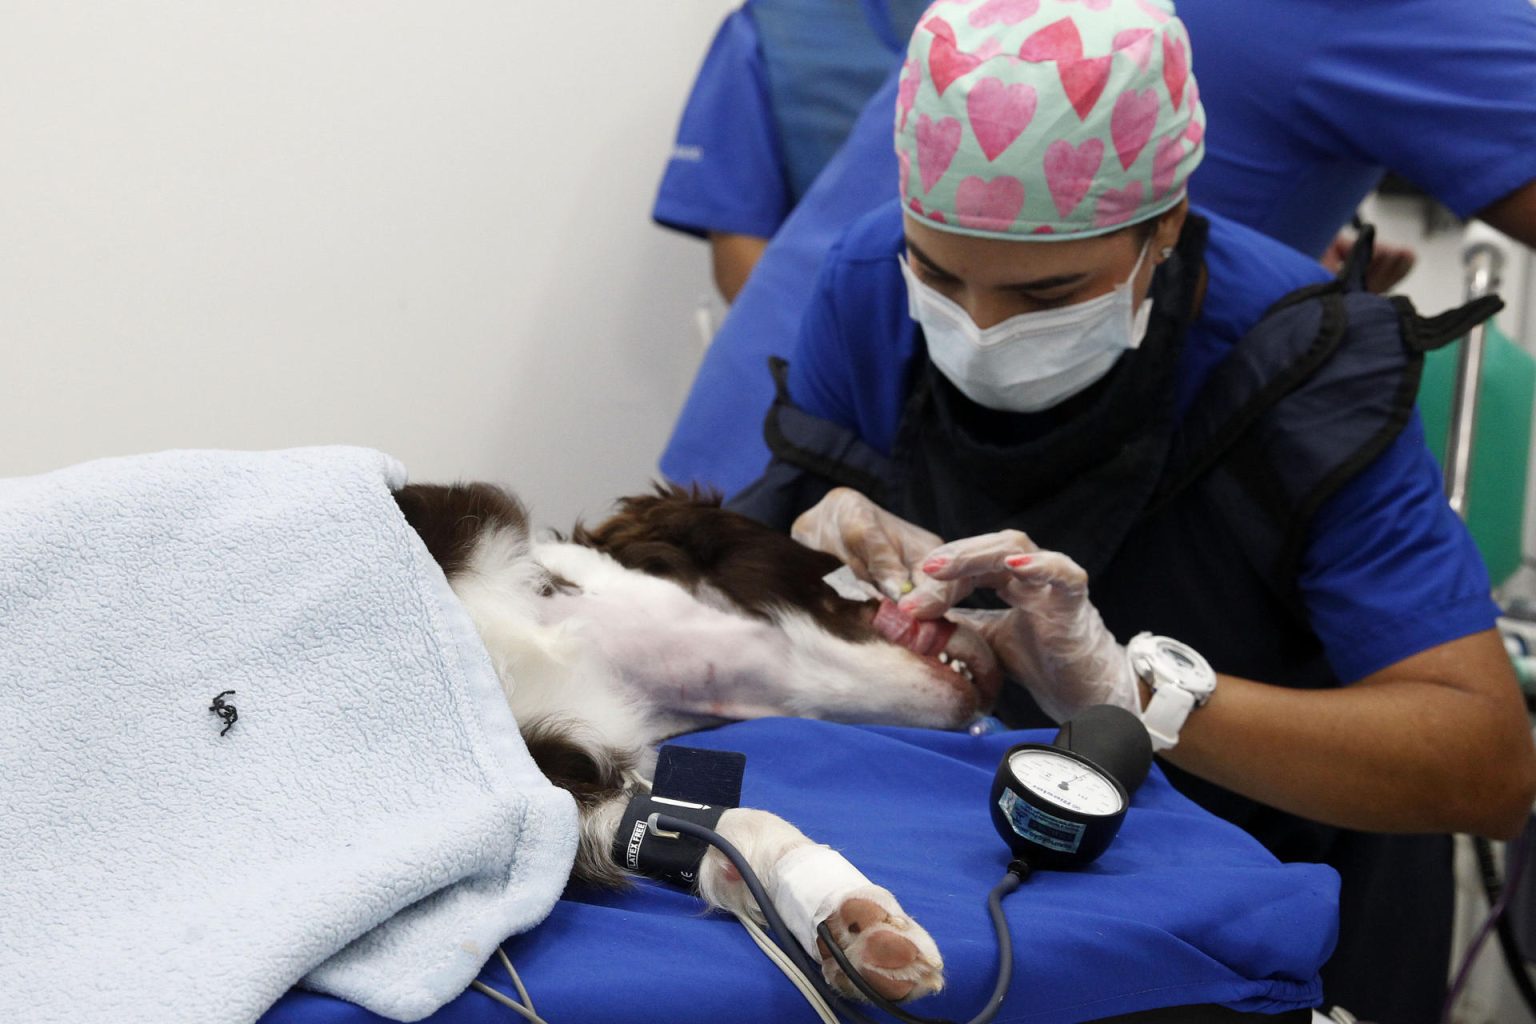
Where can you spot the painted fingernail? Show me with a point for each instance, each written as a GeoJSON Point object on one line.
{"type": "Point", "coordinates": [1016, 560]}
{"type": "Point", "coordinates": [935, 564]}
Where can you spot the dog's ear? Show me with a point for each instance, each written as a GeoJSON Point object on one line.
{"type": "Point", "coordinates": [451, 518]}
{"type": "Point", "coordinates": [693, 494]}
{"type": "Point", "coordinates": [657, 533]}
{"type": "Point", "coordinates": [686, 536]}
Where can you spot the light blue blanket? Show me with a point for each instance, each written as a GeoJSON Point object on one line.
{"type": "Point", "coordinates": [371, 823]}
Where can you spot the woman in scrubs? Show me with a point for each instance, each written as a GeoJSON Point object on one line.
{"type": "Point", "coordinates": [1044, 356]}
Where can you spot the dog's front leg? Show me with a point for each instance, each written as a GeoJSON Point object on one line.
{"type": "Point", "coordinates": [808, 884]}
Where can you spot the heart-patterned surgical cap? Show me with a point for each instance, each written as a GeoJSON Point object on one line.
{"type": "Point", "coordinates": [1051, 119]}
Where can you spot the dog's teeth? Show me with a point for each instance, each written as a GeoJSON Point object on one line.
{"type": "Point", "coordinates": [943, 658]}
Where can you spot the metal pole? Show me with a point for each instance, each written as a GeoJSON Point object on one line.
{"type": "Point", "coordinates": [1483, 264]}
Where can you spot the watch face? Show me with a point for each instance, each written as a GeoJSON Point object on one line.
{"type": "Point", "coordinates": [1169, 661]}
{"type": "Point", "coordinates": [1065, 781]}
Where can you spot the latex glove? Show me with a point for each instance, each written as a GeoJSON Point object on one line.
{"type": "Point", "coordinates": [1050, 638]}
{"type": "Point", "coordinates": [879, 547]}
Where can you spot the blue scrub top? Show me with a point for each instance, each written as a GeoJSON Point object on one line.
{"type": "Point", "coordinates": [1300, 129]}
{"type": "Point", "coordinates": [727, 181]}
{"type": "Point", "coordinates": [718, 438]}
{"type": "Point", "coordinates": [1388, 571]}
{"type": "Point", "coordinates": [781, 86]}
{"type": "Point", "coordinates": [1443, 92]}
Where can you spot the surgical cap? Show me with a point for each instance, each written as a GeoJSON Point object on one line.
{"type": "Point", "coordinates": [1052, 119]}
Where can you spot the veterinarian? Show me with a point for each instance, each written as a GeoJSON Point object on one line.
{"type": "Point", "coordinates": [1127, 416]}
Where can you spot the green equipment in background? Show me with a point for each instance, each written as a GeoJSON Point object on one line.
{"type": "Point", "coordinates": [1501, 444]}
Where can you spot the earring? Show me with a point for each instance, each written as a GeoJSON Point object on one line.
{"type": "Point", "coordinates": [1166, 251]}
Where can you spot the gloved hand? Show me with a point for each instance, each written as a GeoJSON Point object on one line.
{"type": "Point", "coordinates": [878, 547]}
{"type": "Point", "coordinates": [1050, 638]}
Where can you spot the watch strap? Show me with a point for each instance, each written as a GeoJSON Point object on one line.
{"type": "Point", "coordinates": [1165, 715]}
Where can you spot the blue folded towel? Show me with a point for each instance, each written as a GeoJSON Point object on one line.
{"type": "Point", "coordinates": [371, 823]}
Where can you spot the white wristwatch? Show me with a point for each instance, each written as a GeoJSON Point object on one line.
{"type": "Point", "coordinates": [1181, 680]}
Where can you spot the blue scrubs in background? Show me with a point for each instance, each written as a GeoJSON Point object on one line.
{"type": "Point", "coordinates": [782, 84]}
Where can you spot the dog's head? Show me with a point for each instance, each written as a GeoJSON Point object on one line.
{"type": "Point", "coordinates": [724, 557]}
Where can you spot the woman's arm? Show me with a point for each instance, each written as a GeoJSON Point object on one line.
{"type": "Point", "coordinates": [1438, 742]}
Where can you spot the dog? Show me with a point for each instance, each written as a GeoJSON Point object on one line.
{"type": "Point", "coordinates": [676, 614]}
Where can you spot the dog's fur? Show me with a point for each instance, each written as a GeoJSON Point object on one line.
{"type": "Point", "coordinates": [675, 614]}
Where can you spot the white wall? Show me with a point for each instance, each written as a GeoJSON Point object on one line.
{"type": "Point", "coordinates": [418, 226]}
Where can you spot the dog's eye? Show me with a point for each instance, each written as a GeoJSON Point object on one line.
{"type": "Point", "coordinates": [554, 583]}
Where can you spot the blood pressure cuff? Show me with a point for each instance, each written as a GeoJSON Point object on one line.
{"type": "Point", "coordinates": [695, 785]}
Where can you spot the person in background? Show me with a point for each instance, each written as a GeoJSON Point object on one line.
{"type": "Point", "coordinates": [1177, 460]}
{"type": "Point", "coordinates": [1310, 100]}
{"type": "Point", "coordinates": [1443, 93]}
{"type": "Point", "coordinates": [779, 89]}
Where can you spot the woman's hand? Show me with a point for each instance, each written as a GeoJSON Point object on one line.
{"type": "Point", "coordinates": [1050, 638]}
{"type": "Point", "coordinates": [878, 547]}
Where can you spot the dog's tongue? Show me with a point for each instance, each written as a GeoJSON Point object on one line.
{"type": "Point", "coordinates": [922, 636]}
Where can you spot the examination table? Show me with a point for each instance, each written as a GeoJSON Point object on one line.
{"type": "Point", "coordinates": [1183, 910]}
{"type": "Point", "coordinates": [251, 737]}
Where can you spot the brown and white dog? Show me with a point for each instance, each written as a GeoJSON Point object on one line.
{"type": "Point", "coordinates": [677, 614]}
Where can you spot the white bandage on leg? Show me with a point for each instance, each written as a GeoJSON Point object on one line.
{"type": "Point", "coordinates": [809, 884]}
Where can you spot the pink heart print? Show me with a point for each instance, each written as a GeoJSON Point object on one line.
{"type": "Point", "coordinates": [946, 62]}
{"type": "Point", "coordinates": [990, 47]}
{"type": "Point", "coordinates": [989, 205]}
{"type": "Point", "coordinates": [1117, 205]}
{"type": "Point", "coordinates": [1165, 164]}
{"type": "Point", "coordinates": [1175, 68]}
{"type": "Point", "coordinates": [1135, 43]}
{"type": "Point", "coordinates": [1131, 123]}
{"type": "Point", "coordinates": [906, 90]}
{"type": "Point", "coordinates": [937, 142]}
{"type": "Point", "coordinates": [1009, 12]}
{"type": "Point", "coordinates": [1157, 13]}
{"type": "Point", "coordinates": [1057, 41]}
{"type": "Point", "coordinates": [1084, 82]}
{"type": "Point", "coordinates": [1196, 130]}
{"type": "Point", "coordinates": [1069, 171]}
{"type": "Point", "coordinates": [999, 113]}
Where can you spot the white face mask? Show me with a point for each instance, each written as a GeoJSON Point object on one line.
{"type": "Point", "coordinates": [1031, 361]}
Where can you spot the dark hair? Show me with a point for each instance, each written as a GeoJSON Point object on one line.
{"type": "Point", "coordinates": [1142, 229]}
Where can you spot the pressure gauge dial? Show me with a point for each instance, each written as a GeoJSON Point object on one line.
{"type": "Point", "coordinates": [1054, 807]}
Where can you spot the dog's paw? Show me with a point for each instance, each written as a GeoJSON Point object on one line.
{"type": "Point", "coordinates": [894, 954]}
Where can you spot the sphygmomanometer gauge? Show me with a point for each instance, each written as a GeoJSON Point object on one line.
{"type": "Point", "coordinates": [1054, 807]}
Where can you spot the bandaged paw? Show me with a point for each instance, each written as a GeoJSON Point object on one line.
{"type": "Point", "coordinates": [896, 957]}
